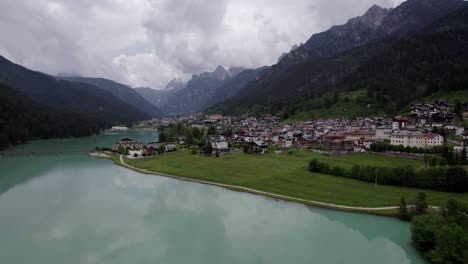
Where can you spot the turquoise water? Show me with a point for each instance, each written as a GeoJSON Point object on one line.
{"type": "Point", "coordinates": [78, 209]}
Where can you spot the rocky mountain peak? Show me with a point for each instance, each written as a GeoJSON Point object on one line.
{"type": "Point", "coordinates": [220, 72]}
{"type": "Point", "coordinates": [375, 15]}
{"type": "Point", "coordinates": [235, 70]}
{"type": "Point", "coordinates": [175, 85]}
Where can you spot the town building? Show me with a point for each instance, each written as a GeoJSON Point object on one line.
{"type": "Point", "coordinates": [150, 149]}
{"type": "Point", "coordinates": [285, 142]}
{"type": "Point", "coordinates": [127, 143]}
{"type": "Point", "coordinates": [219, 144]}
{"type": "Point", "coordinates": [257, 147]}
{"type": "Point", "coordinates": [415, 139]}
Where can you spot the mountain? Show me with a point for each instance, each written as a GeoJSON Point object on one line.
{"type": "Point", "coordinates": [159, 98]}
{"type": "Point", "coordinates": [175, 85]}
{"type": "Point", "coordinates": [201, 91]}
{"type": "Point", "coordinates": [355, 32]}
{"type": "Point", "coordinates": [319, 66]}
{"type": "Point", "coordinates": [22, 119]}
{"type": "Point", "coordinates": [233, 86]}
{"type": "Point", "coordinates": [63, 95]}
{"type": "Point", "coordinates": [124, 92]}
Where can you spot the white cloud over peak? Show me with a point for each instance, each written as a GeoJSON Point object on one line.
{"type": "Point", "coordinates": [150, 42]}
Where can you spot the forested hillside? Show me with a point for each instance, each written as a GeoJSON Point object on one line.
{"type": "Point", "coordinates": [393, 71]}
{"type": "Point", "coordinates": [22, 119]}
{"type": "Point", "coordinates": [68, 96]}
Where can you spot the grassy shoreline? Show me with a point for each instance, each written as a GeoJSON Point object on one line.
{"type": "Point", "coordinates": [286, 176]}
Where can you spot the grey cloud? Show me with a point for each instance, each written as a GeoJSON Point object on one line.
{"type": "Point", "coordinates": [150, 42]}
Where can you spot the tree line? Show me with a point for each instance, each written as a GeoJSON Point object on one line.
{"type": "Point", "coordinates": [387, 147]}
{"type": "Point", "coordinates": [440, 235]}
{"type": "Point", "coordinates": [22, 119]}
{"type": "Point", "coordinates": [451, 179]}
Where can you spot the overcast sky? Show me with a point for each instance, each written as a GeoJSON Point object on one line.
{"type": "Point", "coordinates": [150, 42]}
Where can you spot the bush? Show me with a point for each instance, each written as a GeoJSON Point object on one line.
{"type": "Point", "coordinates": [452, 179]}
{"type": "Point", "coordinates": [314, 165]}
{"type": "Point", "coordinates": [194, 151]}
{"type": "Point", "coordinates": [442, 238]}
{"type": "Point", "coordinates": [403, 210]}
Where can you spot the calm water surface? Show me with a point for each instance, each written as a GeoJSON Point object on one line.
{"type": "Point", "coordinates": [78, 209]}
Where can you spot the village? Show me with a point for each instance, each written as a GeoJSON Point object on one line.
{"type": "Point", "coordinates": [424, 130]}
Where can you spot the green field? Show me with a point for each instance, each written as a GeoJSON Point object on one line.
{"type": "Point", "coordinates": [287, 174]}
{"type": "Point", "coordinates": [346, 106]}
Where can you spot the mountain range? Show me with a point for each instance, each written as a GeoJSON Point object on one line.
{"type": "Point", "coordinates": [388, 57]}
{"type": "Point", "coordinates": [123, 92]}
{"type": "Point", "coordinates": [202, 91]}
{"type": "Point", "coordinates": [359, 54]}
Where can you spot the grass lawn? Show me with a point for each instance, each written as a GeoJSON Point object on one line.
{"type": "Point", "coordinates": [346, 106]}
{"type": "Point", "coordinates": [288, 175]}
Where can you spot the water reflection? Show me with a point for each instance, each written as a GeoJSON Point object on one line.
{"type": "Point", "coordinates": [84, 210]}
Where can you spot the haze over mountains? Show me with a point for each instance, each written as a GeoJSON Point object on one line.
{"type": "Point", "coordinates": [201, 91]}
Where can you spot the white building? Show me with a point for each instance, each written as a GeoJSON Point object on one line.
{"type": "Point", "coordinates": [170, 147]}
{"type": "Point", "coordinates": [383, 132]}
{"type": "Point", "coordinates": [219, 144]}
{"type": "Point", "coordinates": [407, 138]}
{"type": "Point", "coordinates": [285, 142]}
{"type": "Point", "coordinates": [119, 128]}
{"type": "Point", "coordinates": [432, 140]}
{"type": "Point", "coordinates": [416, 139]}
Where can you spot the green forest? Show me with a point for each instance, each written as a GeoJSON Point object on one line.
{"type": "Point", "coordinates": [22, 119]}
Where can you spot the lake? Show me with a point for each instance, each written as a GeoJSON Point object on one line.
{"type": "Point", "coordinates": [72, 208]}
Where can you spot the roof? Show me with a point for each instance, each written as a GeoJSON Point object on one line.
{"type": "Point", "coordinates": [151, 145]}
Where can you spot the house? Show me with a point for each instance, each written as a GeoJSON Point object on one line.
{"type": "Point", "coordinates": [135, 153]}
{"type": "Point", "coordinates": [215, 118]}
{"type": "Point", "coordinates": [365, 143]}
{"type": "Point", "coordinates": [285, 142]}
{"type": "Point", "coordinates": [220, 144]}
{"type": "Point", "coordinates": [198, 125]}
{"type": "Point", "coordinates": [170, 147]}
{"type": "Point", "coordinates": [226, 134]}
{"type": "Point", "coordinates": [257, 147]}
{"type": "Point", "coordinates": [360, 135]}
{"type": "Point", "coordinates": [399, 122]}
{"type": "Point", "coordinates": [433, 140]}
{"type": "Point", "coordinates": [182, 140]}
{"type": "Point", "coordinates": [382, 132]}
{"type": "Point", "coordinates": [127, 143]}
{"type": "Point", "coordinates": [150, 149]}
{"type": "Point", "coordinates": [119, 128]}
{"type": "Point", "coordinates": [305, 141]}
{"type": "Point", "coordinates": [334, 142]}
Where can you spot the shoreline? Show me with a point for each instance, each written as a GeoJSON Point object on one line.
{"type": "Point", "coordinates": [389, 211]}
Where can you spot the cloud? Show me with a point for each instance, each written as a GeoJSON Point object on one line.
{"type": "Point", "coordinates": [150, 42]}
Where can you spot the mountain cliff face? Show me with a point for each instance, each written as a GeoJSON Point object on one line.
{"type": "Point", "coordinates": [63, 95]}
{"type": "Point", "coordinates": [327, 58]}
{"type": "Point", "coordinates": [175, 85]}
{"type": "Point", "coordinates": [355, 32]}
{"type": "Point", "coordinates": [201, 91]}
{"type": "Point", "coordinates": [414, 15]}
{"type": "Point", "coordinates": [124, 92]}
